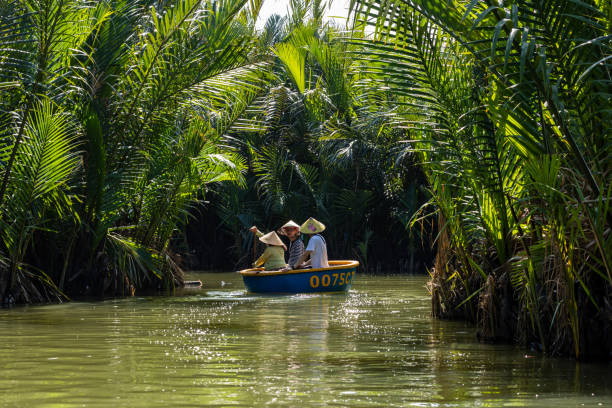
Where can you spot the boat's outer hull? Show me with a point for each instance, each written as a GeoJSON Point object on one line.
{"type": "Point", "coordinates": [337, 278]}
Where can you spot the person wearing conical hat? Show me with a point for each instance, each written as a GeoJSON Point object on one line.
{"type": "Point", "coordinates": [291, 230]}
{"type": "Point", "coordinates": [296, 246]}
{"type": "Point", "coordinates": [317, 247]}
{"type": "Point", "coordinates": [274, 255]}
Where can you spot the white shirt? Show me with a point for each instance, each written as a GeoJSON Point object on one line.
{"type": "Point", "coordinates": [316, 244]}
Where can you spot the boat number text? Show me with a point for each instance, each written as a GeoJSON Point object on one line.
{"type": "Point", "coordinates": [333, 279]}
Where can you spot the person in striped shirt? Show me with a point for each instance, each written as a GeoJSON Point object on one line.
{"type": "Point", "coordinates": [296, 246]}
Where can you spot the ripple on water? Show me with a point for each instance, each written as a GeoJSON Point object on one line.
{"type": "Point", "coordinates": [221, 346]}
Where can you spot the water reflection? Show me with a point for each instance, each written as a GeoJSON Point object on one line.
{"type": "Point", "coordinates": [218, 346]}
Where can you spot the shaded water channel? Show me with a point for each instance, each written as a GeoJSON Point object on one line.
{"type": "Point", "coordinates": [219, 346]}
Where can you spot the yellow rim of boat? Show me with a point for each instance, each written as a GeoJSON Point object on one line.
{"type": "Point", "coordinates": [333, 265]}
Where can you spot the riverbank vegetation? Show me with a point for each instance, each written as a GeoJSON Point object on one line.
{"type": "Point", "coordinates": [130, 131]}
{"type": "Point", "coordinates": [508, 106]}
{"type": "Point", "coordinates": [110, 118]}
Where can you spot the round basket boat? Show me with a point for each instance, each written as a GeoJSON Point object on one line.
{"type": "Point", "coordinates": [337, 278]}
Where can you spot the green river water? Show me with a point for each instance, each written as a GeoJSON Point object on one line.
{"type": "Point", "coordinates": [376, 346]}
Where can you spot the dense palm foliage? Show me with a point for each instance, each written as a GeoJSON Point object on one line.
{"type": "Point", "coordinates": [508, 106]}
{"type": "Point", "coordinates": [316, 145]}
{"type": "Point", "coordinates": [110, 113]}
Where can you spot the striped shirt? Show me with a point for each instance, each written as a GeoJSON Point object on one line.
{"type": "Point", "coordinates": [296, 250]}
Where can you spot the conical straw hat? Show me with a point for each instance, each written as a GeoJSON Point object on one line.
{"type": "Point", "coordinates": [291, 224]}
{"type": "Point", "coordinates": [312, 226]}
{"type": "Point", "coordinates": [271, 239]}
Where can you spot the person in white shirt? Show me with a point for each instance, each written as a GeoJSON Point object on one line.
{"type": "Point", "coordinates": [317, 248]}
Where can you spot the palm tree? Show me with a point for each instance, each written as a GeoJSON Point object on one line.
{"type": "Point", "coordinates": [505, 104]}
{"type": "Point", "coordinates": [142, 92]}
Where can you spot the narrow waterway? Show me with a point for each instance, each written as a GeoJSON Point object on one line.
{"type": "Point", "coordinates": [376, 346]}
